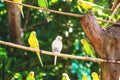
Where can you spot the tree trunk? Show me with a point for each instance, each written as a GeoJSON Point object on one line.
{"type": "Point", "coordinates": [14, 20]}
{"type": "Point", "coordinates": [106, 44]}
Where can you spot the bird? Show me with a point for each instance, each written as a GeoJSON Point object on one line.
{"type": "Point", "coordinates": [88, 48]}
{"type": "Point", "coordinates": [57, 46]}
{"type": "Point", "coordinates": [43, 4]}
{"type": "Point", "coordinates": [33, 42]}
{"type": "Point", "coordinates": [84, 77]}
{"type": "Point", "coordinates": [84, 5]}
{"type": "Point", "coordinates": [19, 6]}
{"type": "Point", "coordinates": [65, 76]}
{"type": "Point", "coordinates": [30, 76]}
{"type": "Point", "coordinates": [88, 5]}
{"type": "Point", "coordinates": [95, 76]}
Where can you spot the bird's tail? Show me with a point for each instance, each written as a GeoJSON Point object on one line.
{"type": "Point", "coordinates": [55, 60]}
{"type": "Point", "coordinates": [21, 10]}
{"type": "Point", "coordinates": [38, 54]}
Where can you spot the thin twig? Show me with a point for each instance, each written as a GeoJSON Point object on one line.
{"type": "Point", "coordinates": [58, 12]}
{"type": "Point", "coordinates": [115, 10]}
{"type": "Point", "coordinates": [115, 4]}
{"type": "Point", "coordinates": [57, 54]}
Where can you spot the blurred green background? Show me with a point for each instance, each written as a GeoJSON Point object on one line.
{"type": "Point", "coordinates": [17, 63]}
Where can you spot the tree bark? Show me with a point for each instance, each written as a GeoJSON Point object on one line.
{"type": "Point", "coordinates": [14, 20]}
{"type": "Point", "coordinates": [106, 43]}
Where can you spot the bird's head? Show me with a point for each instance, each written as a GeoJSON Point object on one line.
{"type": "Point", "coordinates": [94, 74]}
{"type": "Point", "coordinates": [64, 75]}
{"type": "Point", "coordinates": [83, 41]}
{"type": "Point", "coordinates": [31, 73]}
{"type": "Point", "coordinates": [79, 2]}
{"type": "Point", "coordinates": [84, 75]}
{"type": "Point", "coordinates": [59, 38]}
{"type": "Point", "coordinates": [33, 33]}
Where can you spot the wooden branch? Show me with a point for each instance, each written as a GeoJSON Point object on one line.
{"type": "Point", "coordinates": [57, 12]}
{"type": "Point", "coordinates": [115, 4]}
{"type": "Point", "coordinates": [115, 10]}
{"type": "Point", "coordinates": [57, 54]}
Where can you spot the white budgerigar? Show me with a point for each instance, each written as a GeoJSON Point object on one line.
{"type": "Point", "coordinates": [57, 46]}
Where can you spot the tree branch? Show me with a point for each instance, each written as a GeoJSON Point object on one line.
{"type": "Point", "coordinates": [115, 10]}
{"type": "Point", "coordinates": [58, 12]}
{"type": "Point", "coordinates": [57, 54]}
{"type": "Point", "coordinates": [115, 4]}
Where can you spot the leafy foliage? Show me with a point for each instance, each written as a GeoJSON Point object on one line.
{"type": "Point", "coordinates": [17, 63]}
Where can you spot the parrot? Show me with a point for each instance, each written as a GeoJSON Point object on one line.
{"type": "Point", "coordinates": [88, 48]}
{"type": "Point", "coordinates": [43, 4]}
{"type": "Point", "coordinates": [30, 76]}
{"type": "Point", "coordinates": [88, 5]}
{"type": "Point", "coordinates": [95, 76]}
{"type": "Point", "coordinates": [33, 42]}
{"type": "Point", "coordinates": [84, 77]}
{"type": "Point", "coordinates": [57, 46]}
{"type": "Point", "coordinates": [19, 6]}
{"type": "Point", "coordinates": [65, 76]}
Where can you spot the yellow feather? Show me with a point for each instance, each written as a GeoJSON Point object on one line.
{"type": "Point", "coordinates": [30, 76]}
{"type": "Point", "coordinates": [95, 76]}
{"type": "Point", "coordinates": [88, 48]}
{"type": "Point", "coordinates": [33, 42]}
{"type": "Point", "coordinates": [19, 6]}
{"type": "Point", "coordinates": [84, 5]}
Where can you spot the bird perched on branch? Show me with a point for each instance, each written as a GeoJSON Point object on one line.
{"type": "Point", "coordinates": [88, 48]}
{"type": "Point", "coordinates": [33, 42]}
{"type": "Point", "coordinates": [84, 77]}
{"type": "Point", "coordinates": [57, 46]}
{"type": "Point", "coordinates": [43, 4]}
{"type": "Point", "coordinates": [87, 5]}
{"type": "Point", "coordinates": [30, 76]}
{"type": "Point", "coordinates": [65, 76]}
{"type": "Point", "coordinates": [20, 7]}
{"type": "Point", "coordinates": [95, 76]}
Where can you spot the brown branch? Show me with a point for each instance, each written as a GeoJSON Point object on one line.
{"type": "Point", "coordinates": [57, 54]}
{"type": "Point", "coordinates": [58, 12]}
{"type": "Point", "coordinates": [115, 4]}
{"type": "Point", "coordinates": [115, 10]}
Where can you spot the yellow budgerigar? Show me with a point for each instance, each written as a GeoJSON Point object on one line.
{"type": "Point", "coordinates": [30, 76]}
{"type": "Point", "coordinates": [95, 76]}
{"type": "Point", "coordinates": [33, 42]}
{"type": "Point", "coordinates": [65, 76]}
{"type": "Point", "coordinates": [87, 5]}
{"type": "Point", "coordinates": [19, 6]}
{"type": "Point", "coordinates": [88, 48]}
{"type": "Point", "coordinates": [84, 5]}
